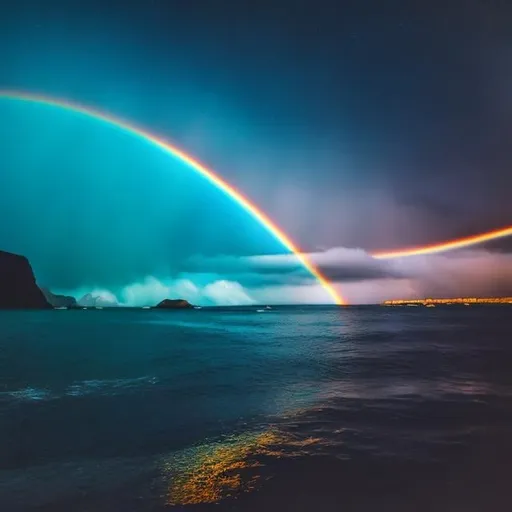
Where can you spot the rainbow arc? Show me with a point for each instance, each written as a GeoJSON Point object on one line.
{"type": "Point", "coordinates": [160, 143]}
{"type": "Point", "coordinates": [242, 200]}
{"type": "Point", "coordinates": [449, 245]}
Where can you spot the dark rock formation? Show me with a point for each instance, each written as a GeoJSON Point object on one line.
{"type": "Point", "coordinates": [18, 288]}
{"type": "Point", "coordinates": [59, 301]}
{"type": "Point", "coordinates": [174, 304]}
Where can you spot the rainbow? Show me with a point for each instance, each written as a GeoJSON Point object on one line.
{"type": "Point", "coordinates": [240, 198]}
{"type": "Point", "coordinates": [194, 164]}
{"type": "Point", "coordinates": [458, 243]}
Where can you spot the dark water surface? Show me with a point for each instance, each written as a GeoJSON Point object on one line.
{"type": "Point", "coordinates": [300, 409]}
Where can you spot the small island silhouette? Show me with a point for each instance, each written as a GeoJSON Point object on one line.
{"type": "Point", "coordinates": [174, 304]}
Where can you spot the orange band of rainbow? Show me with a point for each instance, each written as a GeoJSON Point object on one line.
{"type": "Point", "coordinates": [449, 245]}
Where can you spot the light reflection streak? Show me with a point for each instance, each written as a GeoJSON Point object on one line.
{"type": "Point", "coordinates": [211, 472]}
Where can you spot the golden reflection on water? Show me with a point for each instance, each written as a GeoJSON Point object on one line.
{"type": "Point", "coordinates": [212, 472]}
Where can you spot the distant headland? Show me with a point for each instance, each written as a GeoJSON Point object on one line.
{"type": "Point", "coordinates": [19, 290]}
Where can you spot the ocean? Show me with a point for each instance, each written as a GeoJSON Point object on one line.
{"type": "Point", "coordinates": [253, 409]}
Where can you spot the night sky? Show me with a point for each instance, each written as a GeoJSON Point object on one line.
{"type": "Point", "coordinates": [356, 126]}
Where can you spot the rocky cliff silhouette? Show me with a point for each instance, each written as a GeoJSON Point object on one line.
{"type": "Point", "coordinates": [18, 288]}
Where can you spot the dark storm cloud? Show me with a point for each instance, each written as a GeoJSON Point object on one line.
{"type": "Point", "coordinates": [338, 264]}
{"type": "Point", "coordinates": [352, 265]}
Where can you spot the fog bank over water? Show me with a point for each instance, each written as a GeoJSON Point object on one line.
{"type": "Point", "coordinates": [360, 278]}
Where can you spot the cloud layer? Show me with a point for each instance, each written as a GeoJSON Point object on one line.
{"type": "Point", "coordinates": [281, 279]}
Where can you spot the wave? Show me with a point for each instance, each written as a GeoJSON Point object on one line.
{"type": "Point", "coordinates": [29, 394]}
{"type": "Point", "coordinates": [109, 387]}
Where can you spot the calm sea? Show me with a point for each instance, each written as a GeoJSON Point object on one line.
{"type": "Point", "coordinates": [298, 408]}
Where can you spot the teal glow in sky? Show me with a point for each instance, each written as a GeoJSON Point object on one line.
{"type": "Point", "coordinates": [95, 208]}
